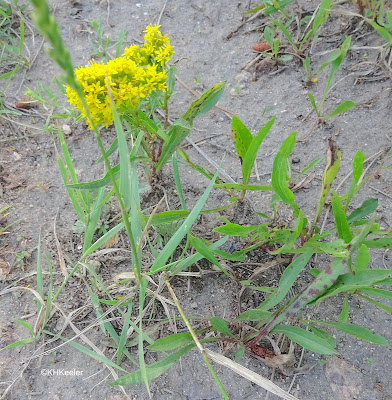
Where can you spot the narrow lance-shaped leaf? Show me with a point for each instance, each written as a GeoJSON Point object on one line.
{"type": "Point", "coordinates": [279, 171]}
{"type": "Point", "coordinates": [313, 292]}
{"type": "Point", "coordinates": [252, 150]}
{"type": "Point", "coordinates": [168, 250]}
{"type": "Point", "coordinates": [178, 133]}
{"type": "Point", "coordinates": [241, 136]}
{"type": "Point", "coordinates": [358, 160]}
{"type": "Point", "coordinates": [361, 259]}
{"type": "Point", "coordinates": [306, 339]}
{"type": "Point", "coordinates": [340, 218]}
{"type": "Point", "coordinates": [333, 161]}
{"type": "Point", "coordinates": [342, 107]}
{"type": "Point", "coordinates": [357, 331]}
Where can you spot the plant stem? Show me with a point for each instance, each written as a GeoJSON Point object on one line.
{"type": "Point", "coordinates": [195, 338]}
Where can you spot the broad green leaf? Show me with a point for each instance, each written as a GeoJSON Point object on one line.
{"type": "Point", "coordinates": [177, 133]}
{"type": "Point", "coordinates": [279, 178]}
{"type": "Point", "coordinates": [287, 280]}
{"type": "Point", "coordinates": [221, 325]}
{"type": "Point", "coordinates": [323, 334]}
{"type": "Point", "coordinates": [269, 36]}
{"type": "Point", "coordinates": [254, 315]}
{"type": "Point", "coordinates": [357, 331]}
{"type": "Point", "coordinates": [241, 136]}
{"type": "Point", "coordinates": [358, 160]}
{"type": "Point", "coordinates": [340, 218]}
{"type": "Point", "coordinates": [239, 230]}
{"type": "Point", "coordinates": [342, 107]}
{"type": "Point", "coordinates": [154, 370]}
{"type": "Point", "coordinates": [333, 161]}
{"type": "Point", "coordinates": [171, 342]}
{"type": "Point", "coordinates": [175, 240]}
{"type": "Point", "coordinates": [379, 243]}
{"type": "Point", "coordinates": [361, 259]}
{"type": "Point", "coordinates": [349, 282]}
{"type": "Point", "coordinates": [342, 317]}
{"type": "Point", "coordinates": [306, 339]}
{"type": "Point", "coordinates": [253, 148]}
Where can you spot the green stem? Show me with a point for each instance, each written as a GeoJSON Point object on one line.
{"type": "Point", "coordinates": [196, 340]}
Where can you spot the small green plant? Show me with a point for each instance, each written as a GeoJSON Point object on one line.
{"type": "Point", "coordinates": [3, 220]}
{"type": "Point", "coordinates": [334, 60]}
{"type": "Point", "coordinates": [103, 44]}
{"type": "Point", "coordinates": [129, 92]}
{"type": "Point", "coordinates": [274, 45]}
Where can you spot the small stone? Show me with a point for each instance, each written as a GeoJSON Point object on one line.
{"type": "Point", "coordinates": [295, 160]}
{"type": "Point", "coordinates": [17, 156]}
{"type": "Point", "coordinates": [194, 304]}
{"type": "Point", "coordinates": [66, 129]}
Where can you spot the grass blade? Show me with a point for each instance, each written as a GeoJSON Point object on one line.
{"type": "Point", "coordinates": [168, 250]}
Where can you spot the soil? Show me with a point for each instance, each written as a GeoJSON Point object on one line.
{"type": "Point", "coordinates": [30, 181]}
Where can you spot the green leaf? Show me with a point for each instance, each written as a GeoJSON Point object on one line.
{"type": "Point", "coordinates": [221, 325]}
{"type": "Point", "coordinates": [358, 160]}
{"type": "Point", "coordinates": [333, 161]}
{"type": "Point", "coordinates": [357, 331]}
{"type": "Point", "coordinates": [171, 342]}
{"type": "Point", "coordinates": [379, 243]}
{"type": "Point", "coordinates": [154, 370]}
{"type": "Point", "coordinates": [361, 259]}
{"type": "Point", "coordinates": [206, 252]}
{"type": "Point", "coordinates": [342, 317]}
{"type": "Point", "coordinates": [279, 178]}
{"type": "Point", "coordinates": [385, 294]}
{"type": "Point", "coordinates": [239, 230]}
{"type": "Point", "coordinates": [313, 103]}
{"type": "Point", "coordinates": [285, 32]}
{"type": "Point", "coordinates": [241, 136]}
{"type": "Point", "coordinates": [269, 36]}
{"type": "Point", "coordinates": [342, 107]}
{"type": "Point", "coordinates": [340, 218]}
{"type": "Point", "coordinates": [125, 165]}
{"type": "Point", "coordinates": [311, 165]}
{"type": "Point", "coordinates": [175, 240]}
{"type": "Point", "coordinates": [254, 315]}
{"type": "Point", "coordinates": [177, 133]}
{"type": "Point", "coordinates": [323, 335]}
{"type": "Point", "coordinates": [252, 150]}
{"type": "Point", "coordinates": [239, 186]}
{"type": "Point", "coordinates": [19, 343]}
{"type": "Point", "coordinates": [306, 339]}
{"type": "Point", "coordinates": [287, 280]}
{"type": "Point", "coordinates": [349, 282]}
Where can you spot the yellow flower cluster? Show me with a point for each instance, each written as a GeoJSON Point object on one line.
{"type": "Point", "coordinates": [133, 76]}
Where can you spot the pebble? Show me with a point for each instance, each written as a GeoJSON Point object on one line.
{"type": "Point", "coordinates": [194, 304]}
{"type": "Point", "coordinates": [295, 160]}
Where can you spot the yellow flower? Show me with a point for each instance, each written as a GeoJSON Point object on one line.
{"type": "Point", "coordinates": [133, 76]}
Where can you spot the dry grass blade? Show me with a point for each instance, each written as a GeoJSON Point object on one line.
{"type": "Point", "coordinates": [250, 375]}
